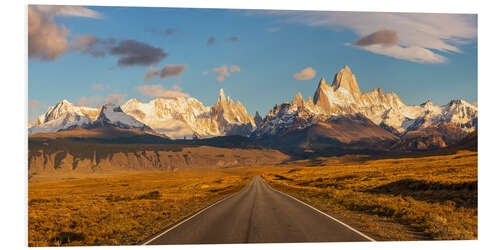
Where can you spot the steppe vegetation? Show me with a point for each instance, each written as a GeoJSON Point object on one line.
{"type": "Point", "coordinates": [413, 198]}
{"type": "Point", "coordinates": [121, 210]}
{"type": "Point", "coordinates": [426, 197]}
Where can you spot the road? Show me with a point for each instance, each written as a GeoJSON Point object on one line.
{"type": "Point", "coordinates": [258, 214]}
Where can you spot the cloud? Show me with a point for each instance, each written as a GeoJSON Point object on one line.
{"type": "Point", "coordinates": [169, 70]}
{"type": "Point", "coordinates": [151, 72]}
{"type": "Point", "coordinates": [35, 108]}
{"type": "Point", "coordinates": [412, 54]}
{"type": "Point", "coordinates": [89, 44]}
{"type": "Point", "coordinates": [67, 10]}
{"type": "Point", "coordinates": [210, 41]}
{"type": "Point", "coordinates": [383, 37]}
{"type": "Point", "coordinates": [91, 101]}
{"type": "Point", "coordinates": [46, 39]}
{"type": "Point", "coordinates": [115, 98]}
{"type": "Point", "coordinates": [160, 91]}
{"type": "Point", "coordinates": [35, 104]}
{"type": "Point", "coordinates": [235, 68]}
{"type": "Point", "coordinates": [223, 72]}
{"type": "Point", "coordinates": [233, 39]}
{"type": "Point", "coordinates": [305, 74]}
{"type": "Point", "coordinates": [132, 52]}
{"type": "Point", "coordinates": [172, 70]}
{"type": "Point", "coordinates": [99, 87]}
{"type": "Point", "coordinates": [220, 78]}
{"type": "Point", "coordinates": [96, 101]}
{"type": "Point", "coordinates": [430, 35]}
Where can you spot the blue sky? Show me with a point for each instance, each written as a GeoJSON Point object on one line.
{"type": "Point", "coordinates": [418, 56]}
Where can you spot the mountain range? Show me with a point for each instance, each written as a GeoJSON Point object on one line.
{"type": "Point", "coordinates": [338, 117]}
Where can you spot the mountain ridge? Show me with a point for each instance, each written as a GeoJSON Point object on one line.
{"type": "Point", "coordinates": [182, 117]}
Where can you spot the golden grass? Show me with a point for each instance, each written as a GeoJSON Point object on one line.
{"type": "Point", "coordinates": [432, 197]}
{"type": "Point", "coordinates": [121, 210]}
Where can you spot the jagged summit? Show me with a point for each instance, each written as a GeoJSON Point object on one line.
{"type": "Point", "coordinates": [185, 117]}
{"type": "Point", "coordinates": [113, 115]}
{"type": "Point", "coordinates": [343, 98]}
{"type": "Point", "coordinates": [222, 96]}
{"type": "Point", "coordinates": [298, 100]}
{"type": "Point", "coordinates": [345, 79]}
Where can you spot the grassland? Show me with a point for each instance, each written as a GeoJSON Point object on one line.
{"type": "Point", "coordinates": [122, 210]}
{"type": "Point", "coordinates": [406, 198]}
{"type": "Point", "coordinates": [413, 198]}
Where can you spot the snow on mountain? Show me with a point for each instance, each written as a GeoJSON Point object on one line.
{"type": "Point", "coordinates": [187, 117]}
{"type": "Point", "coordinates": [343, 97]}
{"type": "Point", "coordinates": [112, 115]}
{"type": "Point", "coordinates": [184, 117]}
{"type": "Point", "coordinates": [62, 116]}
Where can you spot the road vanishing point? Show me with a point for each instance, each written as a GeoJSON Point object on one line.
{"type": "Point", "coordinates": [258, 214]}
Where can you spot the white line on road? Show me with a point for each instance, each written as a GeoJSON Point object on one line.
{"type": "Point", "coordinates": [187, 219]}
{"type": "Point", "coordinates": [325, 214]}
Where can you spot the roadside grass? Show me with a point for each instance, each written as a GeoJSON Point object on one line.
{"type": "Point", "coordinates": [424, 198]}
{"type": "Point", "coordinates": [413, 198]}
{"type": "Point", "coordinates": [121, 210]}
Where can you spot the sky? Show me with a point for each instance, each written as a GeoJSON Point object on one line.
{"type": "Point", "coordinates": [95, 55]}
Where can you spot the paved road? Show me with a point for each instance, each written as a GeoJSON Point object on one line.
{"type": "Point", "coordinates": [258, 214]}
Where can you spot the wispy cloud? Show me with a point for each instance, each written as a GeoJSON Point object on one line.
{"type": "Point", "coordinates": [429, 35]}
{"type": "Point", "coordinates": [305, 74]}
{"type": "Point", "coordinates": [160, 91]}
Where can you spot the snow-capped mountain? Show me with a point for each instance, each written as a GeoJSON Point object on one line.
{"type": "Point", "coordinates": [112, 115]}
{"type": "Point", "coordinates": [343, 98]}
{"type": "Point", "coordinates": [176, 118]}
{"type": "Point", "coordinates": [62, 116]}
{"type": "Point", "coordinates": [331, 107]}
{"type": "Point", "coordinates": [187, 117]}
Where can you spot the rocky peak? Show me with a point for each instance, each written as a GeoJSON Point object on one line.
{"type": "Point", "coordinates": [427, 103]}
{"type": "Point", "coordinates": [222, 97]}
{"type": "Point", "coordinates": [321, 94]}
{"type": "Point", "coordinates": [309, 101]}
{"type": "Point", "coordinates": [298, 100]}
{"type": "Point", "coordinates": [257, 119]}
{"type": "Point", "coordinates": [345, 79]}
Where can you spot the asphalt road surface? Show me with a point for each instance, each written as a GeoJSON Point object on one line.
{"type": "Point", "coordinates": [258, 214]}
